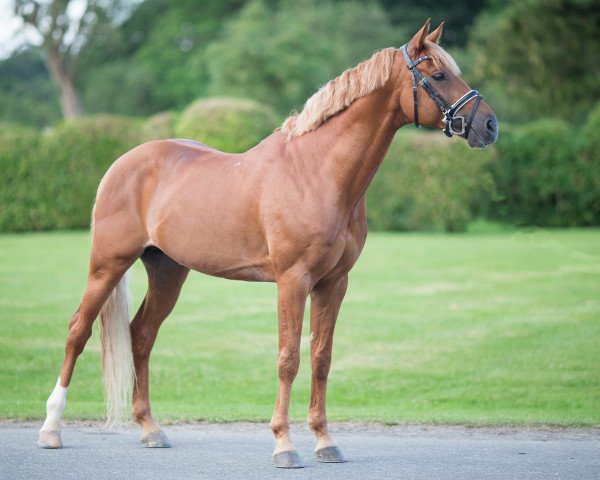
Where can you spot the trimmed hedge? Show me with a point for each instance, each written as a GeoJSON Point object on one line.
{"type": "Point", "coordinates": [50, 180]}
{"type": "Point", "coordinates": [587, 182]}
{"type": "Point", "coordinates": [428, 182]}
{"type": "Point", "coordinates": [160, 126]}
{"type": "Point", "coordinates": [227, 124]}
{"type": "Point", "coordinates": [545, 173]}
{"type": "Point", "coordinates": [20, 150]}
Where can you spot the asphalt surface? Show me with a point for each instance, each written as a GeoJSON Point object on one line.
{"type": "Point", "coordinates": [243, 451]}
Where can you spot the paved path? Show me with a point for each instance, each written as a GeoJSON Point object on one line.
{"type": "Point", "coordinates": [242, 451]}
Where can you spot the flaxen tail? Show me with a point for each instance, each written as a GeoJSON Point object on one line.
{"type": "Point", "coordinates": [117, 357]}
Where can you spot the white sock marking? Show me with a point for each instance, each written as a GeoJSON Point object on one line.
{"type": "Point", "coordinates": [55, 407]}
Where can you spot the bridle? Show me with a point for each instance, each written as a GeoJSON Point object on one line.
{"type": "Point", "coordinates": [448, 110]}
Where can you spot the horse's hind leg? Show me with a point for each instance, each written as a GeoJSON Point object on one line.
{"type": "Point", "coordinates": [165, 279]}
{"type": "Point", "coordinates": [102, 278]}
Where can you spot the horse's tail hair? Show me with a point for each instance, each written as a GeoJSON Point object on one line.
{"type": "Point", "coordinates": [117, 356]}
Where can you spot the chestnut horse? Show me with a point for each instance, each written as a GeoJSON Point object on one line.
{"type": "Point", "coordinates": [290, 210]}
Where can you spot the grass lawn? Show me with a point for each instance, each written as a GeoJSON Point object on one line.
{"type": "Point", "coordinates": [486, 328]}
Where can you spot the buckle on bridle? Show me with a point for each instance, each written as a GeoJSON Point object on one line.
{"type": "Point", "coordinates": [449, 128]}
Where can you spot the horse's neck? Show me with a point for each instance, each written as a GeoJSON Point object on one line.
{"type": "Point", "coordinates": [350, 146]}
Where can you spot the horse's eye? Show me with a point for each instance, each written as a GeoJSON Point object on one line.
{"type": "Point", "coordinates": [439, 76]}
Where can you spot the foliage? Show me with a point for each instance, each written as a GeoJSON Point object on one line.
{"type": "Point", "coordinates": [28, 95]}
{"type": "Point", "coordinates": [434, 328]}
{"type": "Point", "coordinates": [546, 173]}
{"type": "Point", "coordinates": [427, 182]}
{"type": "Point", "coordinates": [529, 58]}
{"type": "Point", "coordinates": [79, 153]}
{"type": "Point", "coordinates": [51, 180]}
{"type": "Point", "coordinates": [19, 195]}
{"type": "Point", "coordinates": [457, 16]}
{"type": "Point", "coordinates": [545, 177]}
{"type": "Point", "coordinates": [160, 126]}
{"type": "Point", "coordinates": [308, 43]}
{"type": "Point", "coordinates": [540, 56]}
{"type": "Point", "coordinates": [163, 43]}
{"type": "Point", "coordinates": [587, 181]}
{"type": "Point", "coordinates": [60, 28]}
{"type": "Point", "coordinates": [227, 124]}
{"type": "Point", "coordinates": [121, 87]}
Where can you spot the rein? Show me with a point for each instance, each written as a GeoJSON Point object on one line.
{"type": "Point", "coordinates": [448, 110]}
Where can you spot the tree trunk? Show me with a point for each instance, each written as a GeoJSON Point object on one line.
{"type": "Point", "coordinates": [70, 103]}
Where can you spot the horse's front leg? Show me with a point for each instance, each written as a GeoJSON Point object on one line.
{"type": "Point", "coordinates": [291, 298]}
{"type": "Point", "coordinates": [326, 299]}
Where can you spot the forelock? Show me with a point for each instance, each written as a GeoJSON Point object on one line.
{"type": "Point", "coordinates": [441, 58]}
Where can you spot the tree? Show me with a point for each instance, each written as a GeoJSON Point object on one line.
{"type": "Point", "coordinates": [153, 60]}
{"type": "Point", "coordinates": [281, 54]}
{"type": "Point", "coordinates": [457, 15]}
{"type": "Point", "coordinates": [540, 57]}
{"type": "Point", "coordinates": [28, 96]}
{"type": "Point", "coordinates": [63, 27]}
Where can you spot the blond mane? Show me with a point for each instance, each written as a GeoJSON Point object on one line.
{"type": "Point", "coordinates": [339, 93]}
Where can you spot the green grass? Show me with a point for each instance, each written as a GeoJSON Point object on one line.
{"type": "Point", "coordinates": [500, 327]}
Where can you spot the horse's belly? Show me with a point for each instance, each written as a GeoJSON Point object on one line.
{"type": "Point", "coordinates": [235, 270]}
{"type": "Point", "coordinates": [231, 255]}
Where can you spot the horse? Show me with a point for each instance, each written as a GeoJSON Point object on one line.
{"type": "Point", "coordinates": [291, 210]}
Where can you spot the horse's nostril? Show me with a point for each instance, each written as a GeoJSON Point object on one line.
{"type": "Point", "coordinates": [490, 125]}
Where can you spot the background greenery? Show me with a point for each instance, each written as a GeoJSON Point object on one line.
{"type": "Point", "coordinates": [530, 58]}
{"type": "Point", "coordinates": [486, 328]}
{"type": "Point", "coordinates": [544, 173]}
{"type": "Point", "coordinates": [226, 73]}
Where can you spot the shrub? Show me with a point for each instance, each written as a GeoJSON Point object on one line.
{"type": "Point", "coordinates": [19, 150]}
{"type": "Point", "coordinates": [539, 178]}
{"type": "Point", "coordinates": [53, 178]}
{"type": "Point", "coordinates": [78, 153]}
{"type": "Point", "coordinates": [428, 183]}
{"type": "Point", "coordinates": [586, 180]}
{"type": "Point", "coordinates": [228, 124]}
{"type": "Point", "coordinates": [160, 126]}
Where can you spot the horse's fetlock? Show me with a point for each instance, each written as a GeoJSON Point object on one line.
{"type": "Point", "coordinates": [140, 416]}
{"type": "Point", "coordinates": [279, 426]}
{"type": "Point", "coordinates": [317, 423]}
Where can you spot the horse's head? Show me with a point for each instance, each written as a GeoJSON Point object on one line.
{"type": "Point", "coordinates": [434, 95]}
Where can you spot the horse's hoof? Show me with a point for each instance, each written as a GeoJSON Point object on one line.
{"type": "Point", "coordinates": [330, 455]}
{"type": "Point", "coordinates": [156, 439]}
{"type": "Point", "coordinates": [289, 459]}
{"type": "Point", "coordinates": [49, 439]}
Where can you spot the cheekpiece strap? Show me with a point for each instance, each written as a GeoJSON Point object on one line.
{"type": "Point", "coordinates": [411, 64]}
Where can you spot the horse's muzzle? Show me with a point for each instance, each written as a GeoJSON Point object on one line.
{"type": "Point", "coordinates": [484, 131]}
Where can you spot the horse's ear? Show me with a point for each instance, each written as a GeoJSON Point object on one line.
{"type": "Point", "coordinates": [436, 34]}
{"type": "Point", "coordinates": [416, 44]}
